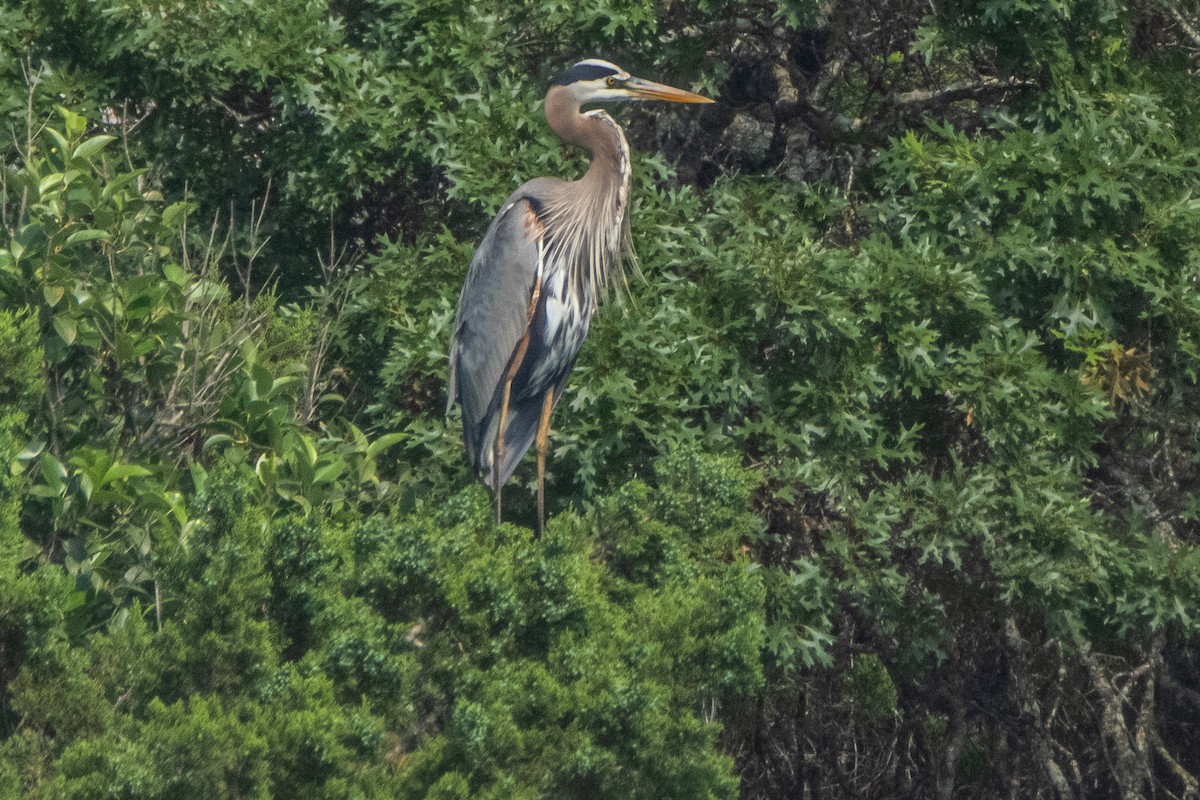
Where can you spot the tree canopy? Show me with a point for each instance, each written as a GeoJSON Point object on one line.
{"type": "Point", "coordinates": [879, 481]}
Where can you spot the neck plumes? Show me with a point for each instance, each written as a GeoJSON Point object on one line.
{"type": "Point", "coordinates": [586, 220]}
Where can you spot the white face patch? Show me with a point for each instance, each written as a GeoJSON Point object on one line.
{"type": "Point", "coordinates": [599, 90]}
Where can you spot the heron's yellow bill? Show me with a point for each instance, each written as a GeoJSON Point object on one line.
{"type": "Point", "coordinates": [650, 90]}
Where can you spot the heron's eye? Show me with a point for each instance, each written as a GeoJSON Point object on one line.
{"type": "Point", "coordinates": [611, 81]}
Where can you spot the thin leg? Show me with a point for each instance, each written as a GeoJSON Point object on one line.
{"type": "Point", "coordinates": [543, 440]}
{"type": "Point", "coordinates": [498, 451]}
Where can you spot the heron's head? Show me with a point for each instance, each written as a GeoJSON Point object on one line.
{"type": "Point", "coordinates": [595, 81]}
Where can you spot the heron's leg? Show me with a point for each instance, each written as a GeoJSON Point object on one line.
{"type": "Point", "coordinates": [498, 452]}
{"type": "Point", "coordinates": [543, 440]}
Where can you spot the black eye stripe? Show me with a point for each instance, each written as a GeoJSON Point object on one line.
{"type": "Point", "coordinates": [584, 72]}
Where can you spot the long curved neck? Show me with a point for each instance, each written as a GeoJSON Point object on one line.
{"type": "Point", "coordinates": [588, 217]}
{"type": "Point", "coordinates": [599, 136]}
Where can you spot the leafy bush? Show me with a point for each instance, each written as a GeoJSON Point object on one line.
{"type": "Point", "coordinates": [879, 480]}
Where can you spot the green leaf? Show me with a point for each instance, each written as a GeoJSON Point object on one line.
{"type": "Point", "coordinates": [49, 182]}
{"type": "Point", "coordinates": [174, 211]}
{"type": "Point", "coordinates": [119, 182]}
{"type": "Point", "coordinates": [198, 474]}
{"type": "Point", "coordinates": [175, 274]}
{"type": "Point", "coordinates": [330, 472]}
{"type": "Point", "coordinates": [87, 235]}
{"type": "Point", "coordinates": [66, 328]}
{"type": "Point", "coordinates": [383, 443]}
{"type": "Point", "coordinates": [59, 142]}
{"type": "Point", "coordinates": [92, 146]}
{"type": "Point", "coordinates": [54, 472]}
{"type": "Point", "coordinates": [31, 451]}
{"type": "Point", "coordinates": [121, 472]}
{"type": "Point", "coordinates": [76, 124]}
{"type": "Point", "coordinates": [281, 383]}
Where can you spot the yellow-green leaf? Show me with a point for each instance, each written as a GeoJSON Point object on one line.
{"type": "Point", "coordinates": [66, 329]}
{"type": "Point", "coordinates": [87, 235]}
{"type": "Point", "coordinates": [92, 146]}
{"type": "Point", "coordinates": [59, 142]}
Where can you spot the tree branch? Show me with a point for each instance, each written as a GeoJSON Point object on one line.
{"type": "Point", "coordinates": [921, 99]}
{"type": "Point", "coordinates": [238, 116]}
{"type": "Point", "coordinates": [1189, 29]}
{"type": "Point", "coordinates": [832, 126]}
{"type": "Point", "coordinates": [1191, 786]}
{"type": "Point", "coordinates": [1127, 764]}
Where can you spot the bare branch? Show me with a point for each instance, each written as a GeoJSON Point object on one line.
{"type": "Point", "coordinates": [1190, 28]}
{"type": "Point", "coordinates": [1128, 764]}
{"type": "Point", "coordinates": [239, 117]}
{"type": "Point", "coordinates": [897, 109]}
{"type": "Point", "coordinates": [922, 99]}
{"type": "Point", "coordinates": [1191, 786]}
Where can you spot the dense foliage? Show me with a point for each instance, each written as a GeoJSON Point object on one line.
{"type": "Point", "coordinates": [880, 481]}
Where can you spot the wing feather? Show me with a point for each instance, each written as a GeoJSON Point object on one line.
{"type": "Point", "coordinates": [492, 317]}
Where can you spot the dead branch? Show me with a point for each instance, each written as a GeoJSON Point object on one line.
{"type": "Point", "coordinates": [1191, 786]}
{"type": "Point", "coordinates": [1040, 724]}
{"type": "Point", "coordinates": [238, 116]}
{"type": "Point", "coordinates": [832, 126]}
{"type": "Point", "coordinates": [1189, 28]}
{"type": "Point", "coordinates": [920, 100]}
{"type": "Point", "coordinates": [1128, 758]}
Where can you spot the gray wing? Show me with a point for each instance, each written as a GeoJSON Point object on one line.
{"type": "Point", "coordinates": [493, 315]}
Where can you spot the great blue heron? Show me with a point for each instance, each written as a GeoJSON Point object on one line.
{"type": "Point", "coordinates": [534, 282]}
